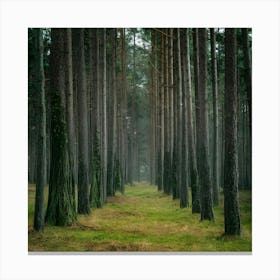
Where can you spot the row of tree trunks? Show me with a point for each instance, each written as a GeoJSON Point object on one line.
{"type": "Point", "coordinates": [190, 145]}
{"type": "Point", "coordinates": [80, 116]}
{"type": "Point", "coordinates": [105, 139]}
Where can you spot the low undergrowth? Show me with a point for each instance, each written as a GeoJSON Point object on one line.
{"type": "Point", "coordinates": [142, 219]}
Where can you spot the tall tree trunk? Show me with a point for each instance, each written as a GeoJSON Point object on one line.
{"type": "Point", "coordinates": [132, 117]}
{"type": "Point", "coordinates": [159, 109]}
{"type": "Point", "coordinates": [111, 114]}
{"type": "Point", "coordinates": [190, 131]}
{"type": "Point", "coordinates": [248, 82]}
{"type": "Point", "coordinates": [175, 185]}
{"type": "Point", "coordinates": [182, 151]}
{"type": "Point", "coordinates": [215, 116]}
{"type": "Point", "coordinates": [196, 84]}
{"type": "Point", "coordinates": [61, 209]}
{"type": "Point", "coordinates": [166, 165]}
{"type": "Point", "coordinates": [104, 112]}
{"type": "Point", "coordinates": [115, 104]}
{"type": "Point", "coordinates": [203, 134]}
{"type": "Point", "coordinates": [96, 189]}
{"type": "Point", "coordinates": [153, 111]}
{"type": "Point", "coordinates": [70, 107]}
{"type": "Point", "coordinates": [231, 204]}
{"type": "Point", "coordinates": [83, 182]}
{"type": "Point", "coordinates": [161, 115]}
{"type": "Point", "coordinates": [197, 114]}
{"type": "Point", "coordinates": [171, 108]}
{"type": "Point", "coordinates": [123, 102]}
{"type": "Point", "coordinates": [39, 223]}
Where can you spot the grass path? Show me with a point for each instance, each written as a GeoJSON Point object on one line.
{"type": "Point", "coordinates": [143, 220]}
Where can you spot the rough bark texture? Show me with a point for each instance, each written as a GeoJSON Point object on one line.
{"type": "Point", "coordinates": [61, 210]}
{"type": "Point", "coordinates": [166, 164]}
{"type": "Point", "coordinates": [231, 203]}
{"type": "Point", "coordinates": [70, 107]}
{"type": "Point", "coordinates": [83, 182]}
{"type": "Point", "coordinates": [104, 146]}
{"type": "Point", "coordinates": [181, 130]}
{"type": "Point", "coordinates": [190, 134]}
{"type": "Point", "coordinates": [131, 151]}
{"type": "Point", "coordinates": [174, 180]}
{"type": "Point", "coordinates": [195, 157]}
{"type": "Point", "coordinates": [215, 117]}
{"type": "Point", "coordinates": [248, 81]}
{"type": "Point", "coordinates": [96, 190]}
{"type": "Point", "coordinates": [184, 41]}
{"type": "Point", "coordinates": [39, 223]}
{"type": "Point", "coordinates": [124, 146]}
{"type": "Point", "coordinates": [203, 134]}
{"type": "Point", "coordinates": [111, 114]}
{"type": "Point", "coordinates": [153, 113]}
{"type": "Point", "coordinates": [171, 109]}
{"type": "Point", "coordinates": [161, 116]}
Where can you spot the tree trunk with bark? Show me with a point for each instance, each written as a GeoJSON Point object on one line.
{"type": "Point", "coordinates": [182, 121]}
{"type": "Point", "coordinates": [215, 117]}
{"type": "Point", "coordinates": [231, 203]}
{"type": "Point", "coordinates": [39, 222]}
{"type": "Point", "coordinates": [202, 133]}
{"type": "Point", "coordinates": [61, 208]}
{"type": "Point", "coordinates": [190, 134]}
{"type": "Point", "coordinates": [83, 181]}
{"type": "Point", "coordinates": [70, 107]}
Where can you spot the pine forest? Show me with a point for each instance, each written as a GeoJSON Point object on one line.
{"type": "Point", "coordinates": [139, 139]}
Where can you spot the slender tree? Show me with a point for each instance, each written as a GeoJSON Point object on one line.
{"type": "Point", "coordinates": [189, 123]}
{"type": "Point", "coordinates": [39, 223]}
{"type": "Point", "coordinates": [132, 117]}
{"type": "Point", "coordinates": [153, 101]}
{"type": "Point", "coordinates": [174, 181]}
{"type": "Point", "coordinates": [124, 110]}
{"type": "Point", "coordinates": [103, 77]}
{"type": "Point", "coordinates": [215, 117]}
{"type": "Point", "coordinates": [248, 83]}
{"type": "Point", "coordinates": [70, 106]}
{"type": "Point", "coordinates": [96, 188]}
{"type": "Point", "coordinates": [83, 182]}
{"type": "Point", "coordinates": [112, 113]}
{"type": "Point", "coordinates": [182, 121]}
{"type": "Point", "coordinates": [171, 108]}
{"type": "Point", "coordinates": [231, 204]}
{"type": "Point", "coordinates": [202, 131]}
{"type": "Point", "coordinates": [166, 164]}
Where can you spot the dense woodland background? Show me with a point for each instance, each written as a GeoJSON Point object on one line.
{"type": "Point", "coordinates": [111, 107]}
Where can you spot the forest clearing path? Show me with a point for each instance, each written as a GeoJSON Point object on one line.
{"type": "Point", "coordinates": [143, 219]}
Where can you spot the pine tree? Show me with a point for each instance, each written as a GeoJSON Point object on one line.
{"type": "Point", "coordinates": [203, 134]}
{"type": "Point", "coordinates": [231, 203]}
{"type": "Point", "coordinates": [61, 208]}
{"type": "Point", "coordinates": [39, 222]}
{"type": "Point", "coordinates": [83, 181]}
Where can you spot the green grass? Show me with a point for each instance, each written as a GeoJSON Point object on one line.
{"type": "Point", "coordinates": [142, 220]}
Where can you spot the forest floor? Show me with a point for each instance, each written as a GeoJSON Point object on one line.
{"type": "Point", "coordinates": [142, 219]}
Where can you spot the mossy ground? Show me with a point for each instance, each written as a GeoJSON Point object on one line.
{"type": "Point", "coordinates": [142, 219]}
